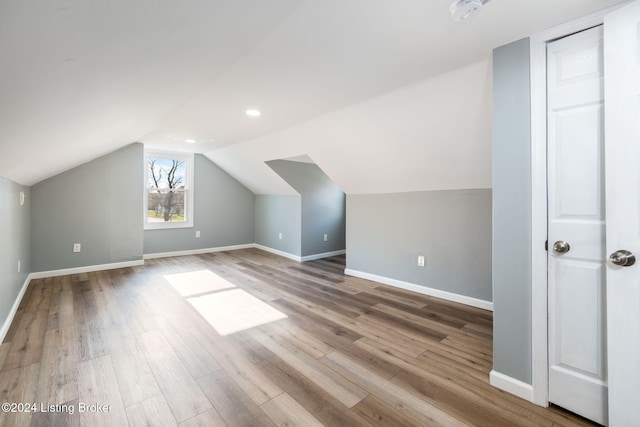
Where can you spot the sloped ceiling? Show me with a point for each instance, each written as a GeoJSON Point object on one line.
{"type": "Point", "coordinates": [433, 135]}
{"type": "Point", "coordinates": [383, 95]}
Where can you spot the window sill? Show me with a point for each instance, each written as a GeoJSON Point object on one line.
{"type": "Point", "coordinates": [167, 225]}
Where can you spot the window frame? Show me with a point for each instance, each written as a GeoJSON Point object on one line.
{"type": "Point", "coordinates": [188, 190]}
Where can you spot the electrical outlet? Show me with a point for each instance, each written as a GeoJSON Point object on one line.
{"type": "Point", "coordinates": [197, 234]}
{"type": "Point", "coordinates": [279, 236]}
{"type": "Point", "coordinates": [326, 237]}
{"type": "Point", "coordinates": [19, 267]}
{"type": "Point", "coordinates": [77, 247]}
{"type": "Point", "coordinates": [420, 260]}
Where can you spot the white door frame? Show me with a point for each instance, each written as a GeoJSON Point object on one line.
{"type": "Point", "coordinates": [539, 295]}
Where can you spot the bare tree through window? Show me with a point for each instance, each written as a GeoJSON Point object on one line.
{"type": "Point", "coordinates": [166, 184]}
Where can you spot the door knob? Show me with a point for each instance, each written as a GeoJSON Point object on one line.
{"type": "Point", "coordinates": [561, 247]}
{"type": "Point", "coordinates": [622, 258]}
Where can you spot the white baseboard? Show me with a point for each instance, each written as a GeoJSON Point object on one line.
{"type": "Point", "coordinates": [14, 309]}
{"type": "Point", "coordinates": [246, 246]}
{"type": "Point", "coordinates": [297, 257]}
{"type": "Point", "coordinates": [323, 255]}
{"type": "Point", "coordinates": [87, 269]}
{"type": "Point", "coordinates": [198, 251]}
{"type": "Point", "coordinates": [278, 252]}
{"type": "Point", "coordinates": [511, 385]}
{"type": "Point", "coordinates": [449, 296]}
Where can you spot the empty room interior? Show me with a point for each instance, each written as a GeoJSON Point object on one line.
{"type": "Point", "coordinates": [307, 213]}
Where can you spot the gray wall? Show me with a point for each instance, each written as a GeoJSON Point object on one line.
{"type": "Point", "coordinates": [279, 214]}
{"type": "Point", "coordinates": [512, 211]}
{"type": "Point", "coordinates": [97, 204]}
{"type": "Point", "coordinates": [452, 229]}
{"type": "Point", "coordinates": [223, 213]}
{"type": "Point", "coordinates": [15, 236]}
{"type": "Point", "coordinates": [323, 206]}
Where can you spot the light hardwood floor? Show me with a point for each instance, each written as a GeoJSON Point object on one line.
{"type": "Point", "coordinates": [349, 353]}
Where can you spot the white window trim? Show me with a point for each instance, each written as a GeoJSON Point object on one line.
{"type": "Point", "coordinates": [189, 191]}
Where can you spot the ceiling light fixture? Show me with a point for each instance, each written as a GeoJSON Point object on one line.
{"type": "Point", "coordinates": [190, 141]}
{"type": "Point", "coordinates": [253, 113]}
{"type": "Point", "coordinates": [463, 9]}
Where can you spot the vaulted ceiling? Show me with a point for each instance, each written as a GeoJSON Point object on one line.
{"type": "Point", "coordinates": [383, 95]}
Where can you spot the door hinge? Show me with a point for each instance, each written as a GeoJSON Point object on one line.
{"type": "Point", "coordinates": [546, 245]}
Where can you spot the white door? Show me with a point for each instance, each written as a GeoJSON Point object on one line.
{"type": "Point", "coordinates": [576, 221]}
{"type": "Point", "coordinates": [622, 120]}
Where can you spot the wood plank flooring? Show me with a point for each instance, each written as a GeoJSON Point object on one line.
{"type": "Point", "coordinates": [124, 347]}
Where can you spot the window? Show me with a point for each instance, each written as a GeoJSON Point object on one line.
{"type": "Point", "coordinates": [168, 198]}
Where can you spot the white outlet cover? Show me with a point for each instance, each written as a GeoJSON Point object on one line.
{"type": "Point", "coordinates": [77, 247]}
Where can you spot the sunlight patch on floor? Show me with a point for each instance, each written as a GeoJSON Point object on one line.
{"type": "Point", "coordinates": [197, 282]}
{"type": "Point", "coordinates": [234, 311]}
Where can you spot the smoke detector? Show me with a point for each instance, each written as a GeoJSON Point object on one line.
{"type": "Point", "coordinates": [463, 9]}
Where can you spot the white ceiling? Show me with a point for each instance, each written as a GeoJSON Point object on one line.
{"type": "Point", "coordinates": [371, 90]}
{"type": "Point", "coordinates": [433, 135]}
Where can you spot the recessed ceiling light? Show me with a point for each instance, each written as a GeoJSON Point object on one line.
{"type": "Point", "coordinates": [190, 141]}
{"type": "Point", "coordinates": [253, 113]}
